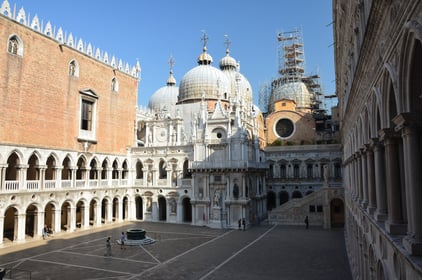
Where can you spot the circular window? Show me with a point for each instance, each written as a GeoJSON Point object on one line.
{"type": "Point", "coordinates": [219, 135]}
{"type": "Point", "coordinates": [284, 128]}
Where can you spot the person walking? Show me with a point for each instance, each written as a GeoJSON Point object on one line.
{"type": "Point", "coordinates": [244, 223]}
{"type": "Point", "coordinates": [240, 224]}
{"type": "Point", "coordinates": [122, 241]}
{"type": "Point", "coordinates": [306, 222]}
{"type": "Point", "coordinates": [108, 247]}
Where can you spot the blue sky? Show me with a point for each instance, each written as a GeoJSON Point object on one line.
{"type": "Point", "coordinates": [151, 31]}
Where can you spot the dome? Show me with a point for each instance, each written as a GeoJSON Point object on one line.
{"type": "Point", "coordinates": [296, 91]}
{"type": "Point", "coordinates": [230, 68]}
{"type": "Point", "coordinates": [204, 81]}
{"type": "Point", "coordinates": [228, 62]}
{"type": "Point", "coordinates": [165, 98]}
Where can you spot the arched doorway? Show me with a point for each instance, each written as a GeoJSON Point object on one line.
{"type": "Point", "coordinates": [284, 197]}
{"type": "Point", "coordinates": [296, 194]}
{"type": "Point", "coordinates": [115, 213]}
{"type": "Point", "coordinates": [271, 204]}
{"type": "Point", "coordinates": [337, 213]}
{"type": "Point", "coordinates": [125, 214]}
{"type": "Point", "coordinates": [187, 210]}
{"type": "Point", "coordinates": [93, 212]}
{"type": "Point", "coordinates": [49, 216]}
{"type": "Point", "coordinates": [10, 229]}
{"type": "Point", "coordinates": [162, 209]}
{"type": "Point", "coordinates": [139, 209]}
{"type": "Point", "coordinates": [65, 216]}
{"type": "Point", "coordinates": [31, 220]}
{"type": "Point", "coordinates": [80, 206]}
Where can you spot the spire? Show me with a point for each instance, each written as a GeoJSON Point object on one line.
{"type": "Point", "coordinates": [204, 58]}
{"type": "Point", "coordinates": [171, 81]}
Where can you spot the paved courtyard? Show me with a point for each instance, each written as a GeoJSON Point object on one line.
{"type": "Point", "coordinates": [184, 252]}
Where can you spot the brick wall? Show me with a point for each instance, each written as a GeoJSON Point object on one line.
{"type": "Point", "coordinates": [40, 102]}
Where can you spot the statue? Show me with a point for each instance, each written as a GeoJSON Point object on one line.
{"type": "Point", "coordinates": [149, 204]}
{"type": "Point", "coordinates": [217, 198]}
{"type": "Point", "coordinates": [173, 205]}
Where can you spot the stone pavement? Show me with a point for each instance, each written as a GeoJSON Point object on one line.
{"type": "Point", "coordinates": [184, 252]}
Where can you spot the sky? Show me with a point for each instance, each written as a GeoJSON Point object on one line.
{"type": "Point", "coordinates": [153, 31]}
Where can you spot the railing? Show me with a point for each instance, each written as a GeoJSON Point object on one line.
{"type": "Point", "coordinates": [49, 184]}
{"type": "Point", "coordinates": [32, 184]}
{"type": "Point", "coordinates": [12, 185]}
{"type": "Point", "coordinates": [227, 164]}
{"type": "Point", "coordinates": [66, 184]}
{"type": "Point", "coordinates": [80, 183]}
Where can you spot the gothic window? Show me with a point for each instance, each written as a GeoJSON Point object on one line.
{"type": "Point", "coordinates": [86, 114]}
{"type": "Point", "coordinates": [309, 170]}
{"type": "Point", "coordinates": [73, 69]}
{"type": "Point", "coordinates": [283, 171]}
{"type": "Point", "coordinates": [114, 85]}
{"type": "Point", "coordinates": [296, 170]}
{"type": "Point", "coordinates": [337, 170]}
{"type": "Point", "coordinates": [163, 171]}
{"type": "Point", "coordinates": [15, 46]}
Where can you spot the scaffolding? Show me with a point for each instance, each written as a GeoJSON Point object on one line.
{"type": "Point", "coordinates": [291, 55]}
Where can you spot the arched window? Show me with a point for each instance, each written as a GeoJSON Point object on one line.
{"type": "Point", "coordinates": [73, 69]}
{"type": "Point", "coordinates": [114, 85]}
{"type": "Point", "coordinates": [15, 46]}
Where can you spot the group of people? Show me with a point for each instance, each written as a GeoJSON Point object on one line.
{"type": "Point", "coordinates": [46, 232]}
{"type": "Point", "coordinates": [108, 244]}
{"type": "Point", "coordinates": [242, 222]}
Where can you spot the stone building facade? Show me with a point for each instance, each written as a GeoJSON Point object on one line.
{"type": "Point", "coordinates": [74, 155]}
{"type": "Point", "coordinates": [378, 60]}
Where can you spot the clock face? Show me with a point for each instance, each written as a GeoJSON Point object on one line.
{"type": "Point", "coordinates": [161, 134]}
{"type": "Point", "coordinates": [284, 128]}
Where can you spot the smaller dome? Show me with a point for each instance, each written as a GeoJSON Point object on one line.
{"type": "Point", "coordinates": [204, 58]}
{"type": "Point", "coordinates": [228, 62]}
{"type": "Point", "coordinates": [165, 98]}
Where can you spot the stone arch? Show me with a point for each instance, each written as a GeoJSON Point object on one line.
{"type": "Point", "coordinates": [162, 208]}
{"type": "Point", "coordinates": [94, 167]}
{"type": "Point", "coordinates": [410, 66]}
{"type": "Point", "coordinates": [50, 214]}
{"type": "Point", "coordinates": [125, 207]}
{"type": "Point", "coordinates": [337, 212]}
{"type": "Point", "coordinates": [139, 169]}
{"type": "Point", "coordinates": [80, 212]}
{"type": "Point", "coordinates": [10, 223]}
{"type": "Point", "coordinates": [284, 197]}
{"type": "Point", "coordinates": [139, 210]}
{"type": "Point", "coordinates": [125, 170]}
{"type": "Point", "coordinates": [65, 217]}
{"type": "Point", "coordinates": [162, 166]}
{"type": "Point", "coordinates": [31, 219]}
{"type": "Point", "coordinates": [187, 209]}
{"type": "Point", "coordinates": [297, 194]}
{"type": "Point", "coordinates": [271, 200]}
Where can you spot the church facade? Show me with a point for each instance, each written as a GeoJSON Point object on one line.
{"type": "Point", "coordinates": [378, 59]}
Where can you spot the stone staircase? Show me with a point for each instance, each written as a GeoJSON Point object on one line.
{"type": "Point", "coordinates": [315, 205]}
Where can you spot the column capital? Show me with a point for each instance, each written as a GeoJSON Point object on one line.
{"type": "Point", "coordinates": [387, 133]}
{"type": "Point", "coordinates": [410, 120]}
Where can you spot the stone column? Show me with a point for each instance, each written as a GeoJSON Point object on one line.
{"type": "Point", "coordinates": [394, 223]}
{"type": "Point", "coordinates": [410, 130]}
{"type": "Point", "coordinates": [19, 230]}
{"type": "Point", "coordinates": [364, 178]}
{"type": "Point", "coordinates": [380, 186]}
{"type": "Point", "coordinates": [358, 177]}
{"type": "Point", "coordinates": [1, 228]}
{"type": "Point", "coordinates": [372, 203]}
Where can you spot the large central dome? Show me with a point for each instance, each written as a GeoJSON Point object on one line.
{"type": "Point", "coordinates": [204, 81]}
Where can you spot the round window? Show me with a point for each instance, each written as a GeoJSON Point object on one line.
{"type": "Point", "coordinates": [284, 128]}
